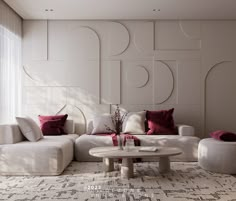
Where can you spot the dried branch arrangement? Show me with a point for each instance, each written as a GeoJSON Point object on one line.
{"type": "Point", "coordinates": [117, 120]}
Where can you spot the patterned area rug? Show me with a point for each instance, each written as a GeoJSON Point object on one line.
{"type": "Point", "coordinates": [87, 181]}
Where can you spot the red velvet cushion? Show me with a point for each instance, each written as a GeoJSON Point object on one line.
{"type": "Point", "coordinates": [53, 125]}
{"type": "Point", "coordinates": [160, 122]}
{"type": "Point", "coordinates": [224, 136]}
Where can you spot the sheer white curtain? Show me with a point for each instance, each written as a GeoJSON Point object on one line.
{"type": "Point", "coordinates": [10, 64]}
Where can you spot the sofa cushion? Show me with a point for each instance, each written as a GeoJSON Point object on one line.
{"type": "Point", "coordinates": [29, 128]}
{"type": "Point", "coordinates": [49, 156]}
{"type": "Point", "coordinates": [224, 136]}
{"type": "Point", "coordinates": [71, 137]}
{"type": "Point", "coordinates": [161, 122]}
{"type": "Point", "coordinates": [134, 123]}
{"type": "Point", "coordinates": [188, 145]}
{"type": "Point", "coordinates": [85, 142]}
{"type": "Point", "coordinates": [53, 125]}
{"type": "Point", "coordinates": [101, 124]}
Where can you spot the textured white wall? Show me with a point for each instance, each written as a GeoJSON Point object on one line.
{"type": "Point", "coordinates": [84, 67]}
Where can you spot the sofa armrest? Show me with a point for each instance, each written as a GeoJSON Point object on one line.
{"type": "Point", "coordinates": [10, 134]}
{"type": "Point", "coordinates": [185, 130]}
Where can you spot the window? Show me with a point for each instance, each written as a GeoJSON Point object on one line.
{"type": "Point", "coordinates": [10, 64]}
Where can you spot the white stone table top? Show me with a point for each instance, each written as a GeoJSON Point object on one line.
{"type": "Point", "coordinates": [114, 152]}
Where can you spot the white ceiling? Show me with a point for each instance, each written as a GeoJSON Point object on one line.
{"type": "Point", "coordinates": [125, 9]}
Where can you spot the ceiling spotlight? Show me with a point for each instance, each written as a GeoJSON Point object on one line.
{"type": "Point", "coordinates": [154, 10]}
{"type": "Point", "coordinates": [48, 9]}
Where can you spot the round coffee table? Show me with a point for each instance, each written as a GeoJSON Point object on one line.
{"type": "Point", "coordinates": [127, 170]}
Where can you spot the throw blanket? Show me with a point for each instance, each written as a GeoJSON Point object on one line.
{"type": "Point", "coordinates": [124, 137]}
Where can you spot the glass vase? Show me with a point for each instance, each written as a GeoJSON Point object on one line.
{"type": "Point", "coordinates": [120, 142]}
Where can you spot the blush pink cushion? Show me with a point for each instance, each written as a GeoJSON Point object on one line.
{"type": "Point", "coordinates": [223, 136]}
{"type": "Point", "coordinates": [53, 125]}
{"type": "Point", "coordinates": [160, 122]}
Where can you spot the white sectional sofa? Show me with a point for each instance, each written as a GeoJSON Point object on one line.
{"type": "Point", "coordinates": [52, 154]}
{"type": "Point", "coordinates": [48, 156]}
{"type": "Point", "coordinates": [185, 140]}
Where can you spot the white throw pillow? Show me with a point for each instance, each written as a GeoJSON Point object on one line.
{"type": "Point", "coordinates": [29, 128]}
{"type": "Point", "coordinates": [99, 123]}
{"type": "Point", "coordinates": [134, 123]}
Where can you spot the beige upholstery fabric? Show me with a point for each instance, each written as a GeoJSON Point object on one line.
{"type": "Point", "coordinates": [89, 126]}
{"type": "Point", "coordinates": [48, 156]}
{"type": "Point", "coordinates": [69, 126]}
{"type": "Point", "coordinates": [100, 122]}
{"type": "Point", "coordinates": [217, 156]}
{"type": "Point", "coordinates": [29, 128]}
{"type": "Point", "coordinates": [10, 134]}
{"type": "Point", "coordinates": [185, 130]}
{"type": "Point", "coordinates": [71, 137]}
{"type": "Point", "coordinates": [188, 145]}
{"type": "Point", "coordinates": [134, 123]}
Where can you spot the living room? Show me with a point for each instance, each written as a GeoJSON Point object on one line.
{"type": "Point", "coordinates": [147, 87]}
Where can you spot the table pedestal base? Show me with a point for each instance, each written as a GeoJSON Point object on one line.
{"type": "Point", "coordinates": [108, 164]}
{"type": "Point", "coordinates": [164, 164]}
{"type": "Point", "coordinates": [127, 168]}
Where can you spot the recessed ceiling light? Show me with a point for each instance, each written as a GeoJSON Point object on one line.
{"type": "Point", "coordinates": [155, 10]}
{"type": "Point", "coordinates": [47, 9]}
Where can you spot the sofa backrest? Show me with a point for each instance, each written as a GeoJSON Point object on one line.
{"type": "Point", "coordinates": [183, 130]}
{"type": "Point", "coordinates": [69, 126]}
{"type": "Point", "coordinates": [89, 127]}
{"type": "Point", "coordinates": [10, 134]}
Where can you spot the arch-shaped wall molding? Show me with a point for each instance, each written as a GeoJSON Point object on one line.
{"type": "Point", "coordinates": [86, 45]}
{"type": "Point", "coordinates": [88, 34]}
{"type": "Point", "coordinates": [119, 38]}
{"type": "Point", "coordinates": [219, 99]}
{"type": "Point", "coordinates": [80, 123]}
{"type": "Point", "coordinates": [94, 31]}
{"type": "Point", "coordinates": [144, 37]}
{"type": "Point", "coordinates": [99, 73]}
{"type": "Point", "coordinates": [191, 29]}
{"type": "Point", "coordinates": [64, 106]}
{"type": "Point", "coordinates": [214, 66]}
{"type": "Point", "coordinates": [28, 75]}
{"type": "Point", "coordinates": [163, 82]}
{"type": "Point", "coordinates": [170, 36]}
{"type": "Point", "coordinates": [31, 77]}
{"type": "Point", "coordinates": [137, 76]}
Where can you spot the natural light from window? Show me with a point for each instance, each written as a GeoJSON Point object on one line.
{"type": "Point", "coordinates": [10, 72]}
